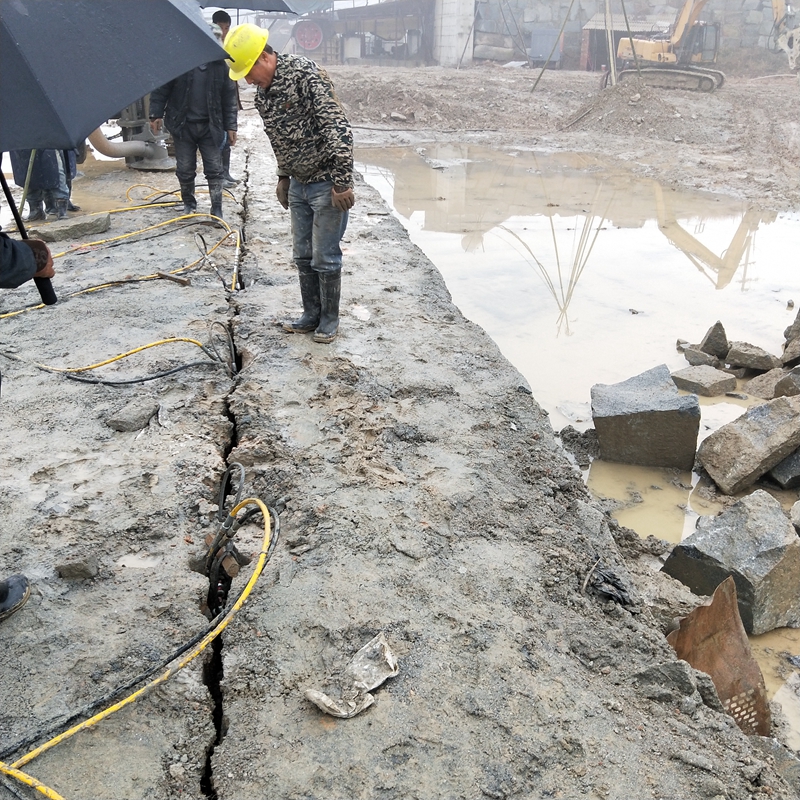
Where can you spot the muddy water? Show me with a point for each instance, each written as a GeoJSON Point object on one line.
{"type": "Point", "coordinates": [585, 274]}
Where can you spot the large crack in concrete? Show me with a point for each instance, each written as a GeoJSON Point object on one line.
{"type": "Point", "coordinates": [213, 669]}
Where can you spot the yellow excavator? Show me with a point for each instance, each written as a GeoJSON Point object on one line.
{"type": "Point", "coordinates": [675, 60]}
{"type": "Point", "coordinates": [679, 59]}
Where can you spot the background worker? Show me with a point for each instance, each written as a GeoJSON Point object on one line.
{"type": "Point", "coordinates": [50, 185]}
{"type": "Point", "coordinates": [199, 109]}
{"type": "Point", "coordinates": [313, 145]}
{"type": "Point", "coordinates": [223, 19]}
{"type": "Point", "coordinates": [19, 262]}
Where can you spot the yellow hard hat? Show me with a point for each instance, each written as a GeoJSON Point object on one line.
{"type": "Point", "coordinates": [244, 44]}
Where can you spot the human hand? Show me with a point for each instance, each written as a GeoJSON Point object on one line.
{"type": "Point", "coordinates": [156, 125]}
{"type": "Point", "coordinates": [282, 191]}
{"type": "Point", "coordinates": [343, 199]}
{"type": "Point", "coordinates": [43, 256]}
{"type": "Point", "coordinates": [232, 138]}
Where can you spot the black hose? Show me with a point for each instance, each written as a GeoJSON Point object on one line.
{"type": "Point", "coordinates": [157, 375]}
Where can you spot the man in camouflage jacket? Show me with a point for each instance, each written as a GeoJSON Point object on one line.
{"type": "Point", "coordinates": [313, 146]}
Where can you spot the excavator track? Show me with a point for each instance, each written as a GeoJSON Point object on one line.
{"type": "Point", "coordinates": [694, 79]}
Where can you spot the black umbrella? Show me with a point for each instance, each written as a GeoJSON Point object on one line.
{"type": "Point", "coordinates": [66, 66]}
{"type": "Point", "coordinates": [283, 6]}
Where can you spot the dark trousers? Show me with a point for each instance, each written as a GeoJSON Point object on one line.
{"type": "Point", "coordinates": [197, 136]}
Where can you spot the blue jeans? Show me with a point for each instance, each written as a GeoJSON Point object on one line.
{"type": "Point", "coordinates": [317, 227]}
{"type": "Point", "coordinates": [196, 136]}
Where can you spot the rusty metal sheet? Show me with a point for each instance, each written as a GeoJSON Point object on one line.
{"type": "Point", "coordinates": [713, 640]}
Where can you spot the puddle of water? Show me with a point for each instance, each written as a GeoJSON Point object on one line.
{"type": "Point", "coordinates": [136, 561]}
{"type": "Point", "coordinates": [582, 274]}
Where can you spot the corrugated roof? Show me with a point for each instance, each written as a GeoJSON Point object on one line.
{"type": "Point", "coordinates": [646, 24]}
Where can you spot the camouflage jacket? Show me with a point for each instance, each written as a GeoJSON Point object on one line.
{"type": "Point", "coordinates": [306, 124]}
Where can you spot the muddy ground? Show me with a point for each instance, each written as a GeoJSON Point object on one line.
{"type": "Point", "coordinates": [425, 494]}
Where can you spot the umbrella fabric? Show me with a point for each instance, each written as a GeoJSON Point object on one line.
{"type": "Point", "coordinates": [284, 6]}
{"type": "Point", "coordinates": [66, 66]}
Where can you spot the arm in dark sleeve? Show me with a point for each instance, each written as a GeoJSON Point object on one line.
{"type": "Point", "coordinates": [230, 103]}
{"type": "Point", "coordinates": [158, 100]}
{"type": "Point", "coordinates": [17, 263]}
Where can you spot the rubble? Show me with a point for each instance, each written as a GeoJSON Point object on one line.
{"type": "Point", "coordinates": [744, 354]}
{"type": "Point", "coordinates": [739, 453]}
{"type": "Point", "coordinates": [715, 342]}
{"type": "Point", "coordinates": [789, 384]}
{"type": "Point", "coordinates": [704, 380]}
{"type": "Point", "coordinates": [763, 385]}
{"type": "Point", "coordinates": [645, 420]}
{"type": "Point", "coordinates": [787, 473]}
{"type": "Point", "coordinates": [755, 543]}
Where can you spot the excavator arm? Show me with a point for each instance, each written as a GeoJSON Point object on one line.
{"type": "Point", "coordinates": [787, 36]}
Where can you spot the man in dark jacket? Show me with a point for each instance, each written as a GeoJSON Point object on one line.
{"type": "Point", "coordinates": [19, 262]}
{"type": "Point", "coordinates": [199, 109]}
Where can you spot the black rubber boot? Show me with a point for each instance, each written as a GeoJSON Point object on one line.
{"type": "Point", "coordinates": [309, 291]}
{"type": "Point", "coordinates": [71, 206]}
{"type": "Point", "coordinates": [14, 591]}
{"type": "Point", "coordinates": [61, 209]}
{"type": "Point", "coordinates": [35, 211]}
{"type": "Point", "coordinates": [330, 290]}
{"type": "Point", "coordinates": [215, 190]}
{"type": "Point", "coordinates": [227, 179]}
{"type": "Point", "coordinates": [189, 201]}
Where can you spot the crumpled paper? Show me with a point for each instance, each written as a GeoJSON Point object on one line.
{"type": "Point", "coordinates": [348, 693]}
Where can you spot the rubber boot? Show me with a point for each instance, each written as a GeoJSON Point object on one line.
{"type": "Point", "coordinates": [227, 179]}
{"type": "Point", "coordinates": [309, 291]}
{"type": "Point", "coordinates": [189, 201]}
{"type": "Point", "coordinates": [61, 209]}
{"type": "Point", "coordinates": [71, 206]}
{"type": "Point", "coordinates": [14, 592]}
{"type": "Point", "coordinates": [215, 190]}
{"type": "Point", "coordinates": [330, 290]}
{"type": "Point", "coordinates": [35, 211]}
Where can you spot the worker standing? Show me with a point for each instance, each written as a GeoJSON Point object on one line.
{"type": "Point", "coordinates": [223, 19]}
{"type": "Point", "coordinates": [199, 109]}
{"type": "Point", "coordinates": [313, 146]}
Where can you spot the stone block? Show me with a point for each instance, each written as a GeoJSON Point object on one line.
{"type": "Point", "coordinates": [72, 228]}
{"type": "Point", "coordinates": [793, 331]}
{"type": "Point", "coordinates": [744, 354]}
{"type": "Point", "coordinates": [697, 358]}
{"type": "Point", "coordinates": [134, 416]}
{"type": "Point", "coordinates": [789, 384]}
{"type": "Point", "coordinates": [791, 352]}
{"type": "Point", "coordinates": [645, 420]}
{"type": "Point", "coordinates": [704, 380]}
{"type": "Point", "coordinates": [787, 472]}
{"type": "Point", "coordinates": [739, 453]}
{"type": "Point", "coordinates": [763, 385]}
{"type": "Point", "coordinates": [715, 342]}
{"type": "Point", "coordinates": [755, 543]}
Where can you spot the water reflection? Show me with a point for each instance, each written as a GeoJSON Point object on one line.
{"type": "Point", "coordinates": [581, 272]}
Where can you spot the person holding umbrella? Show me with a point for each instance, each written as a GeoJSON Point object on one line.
{"type": "Point", "coordinates": [19, 262]}
{"type": "Point", "coordinates": [313, 145]}
{"type": "Point", "coordinates": [199, 109]}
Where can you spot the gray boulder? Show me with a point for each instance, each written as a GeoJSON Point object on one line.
{"type": "Point", "coordinates": [644, 420]}
{"type": "Point", "coordinates": [744, 354]}
{"type": "Point", "coordinates": [739, 453]}
{"type": "Point", "coordinates": [134, 416]}
{"type": "Point", "coordinates": [791, 352]}
{"type": "Point", "coordinates": [704, 380]}
{"type": "Point", "coordinates": [72, 228]}
{"type": "Point", "coordinates": [763, 385]}
{"type": "Point", "coordinates": [754, 542]}
{"type": "Point", "coordinates": [789, 384]}
{"type": "Point", "coordinates": [715, 342]}
{"type": "Point", "coordinates": [787, 473]}
{"type": "Point", "coordinates": [697, 358]}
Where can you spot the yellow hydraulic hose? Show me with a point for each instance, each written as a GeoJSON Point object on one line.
{"type": "Point", "coordinates": [29, 781]}
{"type": "Point", "coordinates": [262, 558]}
